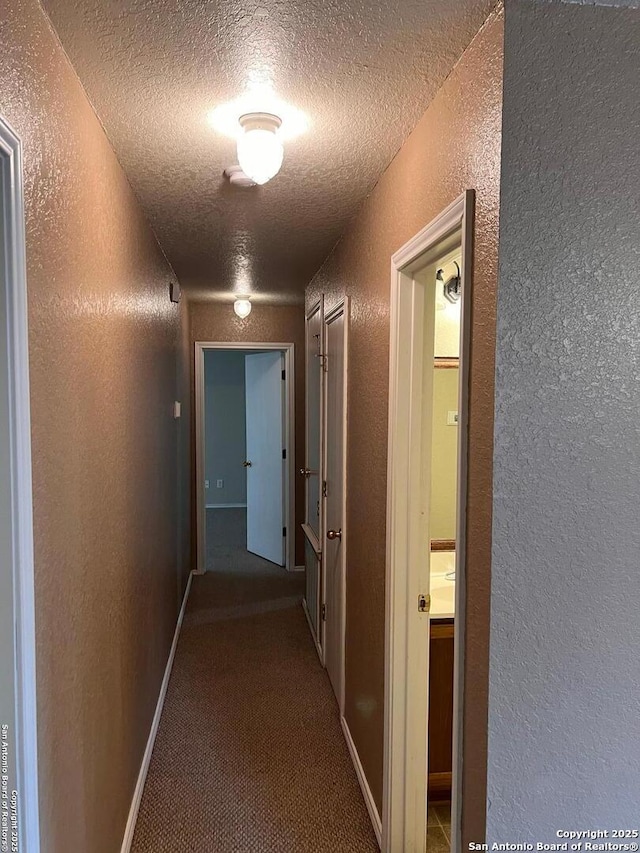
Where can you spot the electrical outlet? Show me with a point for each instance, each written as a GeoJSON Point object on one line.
{"type": "Point", "coordinates": [206, 484]}
{"type": "Point", "coordinates": [452, 418]}
{"type": "Point", "coordinates": [219, 484]}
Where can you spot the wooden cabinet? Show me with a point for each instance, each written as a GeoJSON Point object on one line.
{"type": "Point", "coordinates": [440, 708]}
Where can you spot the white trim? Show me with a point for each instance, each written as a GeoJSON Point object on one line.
{"type": "Point", "coordinates": [406, 630]}
{"type": "Point", "coordinates": [439, 228]}
{"type": "Point", "coordinates": [298, 568]}
{"type": "Point", "coordinates": [225, 506]}
{"type": "Point", "coordinates": [369, 802]}
{"type": "Point", "coordinates": [15, 280]}
{"type": "Point", "coordinates": [146, 758]}
{"type": "Point", "coordinates": [288, 350]}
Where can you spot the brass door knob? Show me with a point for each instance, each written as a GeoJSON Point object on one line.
{"type": "Point", "coordinates": [246, 464]}
{"type": "Point", "coordinates": [334, 534]}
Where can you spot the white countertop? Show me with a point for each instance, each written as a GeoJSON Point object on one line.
{"type": "Point", "coordinates": [442, 590]}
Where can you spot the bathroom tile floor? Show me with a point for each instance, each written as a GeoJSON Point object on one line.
{"type": "Point", "coordinates": [439, 827]}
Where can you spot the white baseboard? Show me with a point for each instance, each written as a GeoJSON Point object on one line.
{"type": "Point", "coordinates": [297, 569]}
{"type": "Point", "coordinates": [146, 758]}
{"type": "Point", "coordinates": [225, 506]}
{"type": "Point", "coordinates": [364, 785]}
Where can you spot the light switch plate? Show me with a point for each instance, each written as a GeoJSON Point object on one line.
{"type": "Point", "coordinates": [177, 409]}
{"type": "Point", "coordinates": [452, 419]}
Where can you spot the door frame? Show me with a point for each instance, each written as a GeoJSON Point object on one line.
{"type": "Point", "coordinates": [342, 307]}
{"type": "Point", "coordinates": [316, 541]}
{"type": "Point", "coordinates": [288, 350]}
{"type": "Point", "coordinates": [406, 630]}
{"type": "Point", "coordinates": [19, 434]}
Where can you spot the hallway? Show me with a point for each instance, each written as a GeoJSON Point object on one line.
{"type": "Point", "coordinates": [313, 189]}
{"type": "Point", "coordinates": [250, 755]}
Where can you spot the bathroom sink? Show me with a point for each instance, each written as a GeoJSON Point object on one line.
{"type": "Point", "coordinates": [442, 585]}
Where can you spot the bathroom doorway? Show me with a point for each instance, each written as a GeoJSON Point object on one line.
{"type": "Point", "coordinates": [426, 527]}
{"type": "Point", "coordinates": [244, 455]}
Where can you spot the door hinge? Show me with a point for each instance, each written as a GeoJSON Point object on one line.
{"type": "Point", "coordinates": [284, 374]}
{"type": "Point", "coordinates": [284, 531]}
{"type": "Point", "coordinates": [324, 612]}
{"type": "Point", "coordinates": [324, 488]}
{"type": "Point", "coordinates": [284, 453]}
{"type": "Point", "coordinates": [424, 603]}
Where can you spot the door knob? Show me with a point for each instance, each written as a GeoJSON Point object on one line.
{"type": "Point", "coordinates": [307, 472]}
{"type": "Point", "coordinates": [334, 534]}
{"type": "Point", "coordinates": [246, 464]}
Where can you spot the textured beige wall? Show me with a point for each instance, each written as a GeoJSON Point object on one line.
{"type": "Point", "coordinates": [216, 321]}
{"type": "Point", "coordinates": [103, 345]}
{"type": "Point", "coordinates": [455, 146]}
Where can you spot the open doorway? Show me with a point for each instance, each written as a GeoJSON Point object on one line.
{"type": "Point", "coordinates": [426, 530]}
{"type": "Point", "coordinates": [244, 455]}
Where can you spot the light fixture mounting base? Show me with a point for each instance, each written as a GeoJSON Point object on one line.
{"type": "Point", "coordinates": [260, 121]}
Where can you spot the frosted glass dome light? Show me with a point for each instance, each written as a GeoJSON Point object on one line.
{"type": "Point", "coordinates": [242, 307]}
{"type": "Point", "coordinates": [260, 151]}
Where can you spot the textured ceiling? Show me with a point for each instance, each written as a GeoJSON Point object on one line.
{"type": "Point", "coordinates": [362, 71]}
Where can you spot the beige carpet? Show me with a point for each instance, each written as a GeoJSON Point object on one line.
{"type": "Point", "coordinates": [250, 755]}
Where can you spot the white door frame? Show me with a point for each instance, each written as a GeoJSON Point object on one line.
{"type": "Point", "coordinates": [407, 630]}
{"type": "Point", "coordinates": [288, 349]}
{"type": "Point", "coordinates": [316, 541]}
{"type": "Point", "coordinates": [341, 308]}
{"type": "Point", "coordinates": [22, 565]}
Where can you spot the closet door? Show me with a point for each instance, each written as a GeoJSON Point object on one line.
{"type": "Point", "coordinates": [311, 473]}
{"type": "Point", "coordinates": [334, 495]}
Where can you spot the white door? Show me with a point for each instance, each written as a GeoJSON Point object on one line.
{"type": "Point", "coordinates": [266, 525]}
{"type": "Point", "coordinates": [312, 472]}
{"type": "Point", "coordinates": [334, 506]}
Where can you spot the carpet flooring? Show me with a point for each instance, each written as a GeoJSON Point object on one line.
{"type": "Point", "coordinates": [249, 755]}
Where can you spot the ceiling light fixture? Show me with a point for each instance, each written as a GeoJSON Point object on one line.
{"type": "Point", "coordinates": [260, 151]}
{"type": "Point", "coordinates": [242, 307]}
{"type": "Point", "coordinates": [258, 99]}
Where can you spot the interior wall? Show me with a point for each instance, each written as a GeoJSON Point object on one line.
{"type": "Point", "coordinates": [225, 427]}
{"type": "Point", "coordinates": [455, 146]}
{"type": "Point", "coordinates": [564, 732]}
{"type": "Point", "coordinates": [447, 332]}
{"type": "Point", "coordinates": [444, 455]}
{"type": "Point", "coordinates": [104, 343]}
{"type": "Point", "coordinates": [217, 322]}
